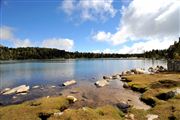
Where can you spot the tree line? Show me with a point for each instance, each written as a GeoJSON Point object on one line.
{"type": "Point", "coordinates": [173, 52]}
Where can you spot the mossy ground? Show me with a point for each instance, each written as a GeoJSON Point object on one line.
{"type": "Point", "coordinates": [153, 86]}
{"type": "Point", "coordinates": [45, 108]}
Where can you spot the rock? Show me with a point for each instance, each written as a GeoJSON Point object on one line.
{"type": "Point", "coordinates": [123, 73]}
{"type": "Point", "coordinates": [58, 114]}
{"type": "Point", "coordinates": [176, 91]}
{"type": "Point", "coordinates": [125, 85]}
{"type": "Point", "coordinates": [14, 97]}
{"type": "Point", "coordinates": [35, 87]}
{"type": "Point", "coordinates": [115, 77]}
{"type": "Point", "coordinates": [53, 86]}
{"type": "Point", "coordinates": [71, 98]}
{"type": "Point", "coordinates": [138, 71]}
{"type": "Point", "coordinates": [151, 116]}
{"type": "Point", "coordinates": [157, 69]}
{"type": "Point", "coordinates": [131, 116]}
{"type": "Point", "coordinates": [85, 108]}
{"type": "Point", "coordinates": [22, 89]}
{"type": "Point", "coordinates": [123, 106]}
{"type": "Point", "coordinates": [128, 72]}
{"type": "Point", "coordinates": [101, 83]}
{"type": "Point", "coordinates": [166, 96]}
{"type": "Point", "coordinates": [19, 89]}
{"type": "Point", "coordinates": [70, 82]}
{"type": "Point", "coordinates": [5, 90]}
{"type": "Point", "coordinates": [74, 92]}
{"type": "Point", "coordinates": [107, 77]}
{"type": "Point", "coordinates": [22, 94]}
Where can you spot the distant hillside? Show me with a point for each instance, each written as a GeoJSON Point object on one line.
{"type": "Point", "coordinates": [173, 52]}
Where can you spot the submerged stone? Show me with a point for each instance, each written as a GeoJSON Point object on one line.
{"type": "Point", "coordinates": [70, 82]}
{"type": "Point", "coordinates": [101, 83]}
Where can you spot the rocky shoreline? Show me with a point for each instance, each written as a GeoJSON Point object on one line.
{"type": "Point", "coordinates": [155, 80]}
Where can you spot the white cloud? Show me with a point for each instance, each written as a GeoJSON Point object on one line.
{"type": "Point", "coordinates": [89, 9]}
{"type": "Point", "coordinates": [107, 50]}
{"type": "Point", "coordinates": [22, 43]}
{"type": "Point", "coordinates": [6, 33]}
{"type": "Point", "coordinates": [59, 43]}
{"type": "Point", "coordinates": [102, 36]}
{"type": "Point", "coordinates": [68, 6]}
{"type": "Point", "coordinates": [140, 47]}
{"type": "Point", "coordinates": [149, 20]}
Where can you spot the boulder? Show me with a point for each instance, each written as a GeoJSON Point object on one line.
{"type": "Point", "coordinates": [123, 106]}
{"type": "Point", "coordinates": [71, 98]}
{"type": "Point", "coordinates": [22, 89]}
{"type": "Point", "coordinates": [35, 87]}
{"type": "Point", "coordinates": [138, 71]}
{"type": "Point", "coordinates": [19, 89]}
{"type": "Point", "coordinates": [107, 77]}
{"type": "Point", "coordinates": [116, 77]}
{"type": "Point", "coordinates": [57, 114]}
{"type": "Point", "coordinates": [125, 85]}
{"type": "Point", "coordinates": [129, 116]}
{"type": "Point", "coordinates": [176, 91]}
{"type": "Point", "coordinates": [151, 116]}
{"type": "Point", "coordinates": [5, 90]}
{"type": "Point", "coordinates": [101, 83]}
{"type": "Point", "coordinates": [70, 82]}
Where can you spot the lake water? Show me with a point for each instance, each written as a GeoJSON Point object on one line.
{"type": "Point", "coordinates": [55, 72]}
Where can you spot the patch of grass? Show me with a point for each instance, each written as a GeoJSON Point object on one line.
{"type": "Point", "coordinates": [102, 113]}
{"type": "Point", "coordinates": [167, 109]}
{"type": "Point", "coordinates": [44, 109]}
{"type": "Point", "coordinates": [139, 114]}
{"type": "Point", "coordinates": [33, 110]}
{"type": "Point", "coordinates": [146, 79]}
{"type": "Point", "coordinates": [157, 94]}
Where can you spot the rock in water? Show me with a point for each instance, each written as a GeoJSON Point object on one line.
{"type": "Point", "coordinates": [23, 89]}
{"type": "Point", "coordinates": [107, 77]}
{"type": "Point", "coordinates": [19, 89]}
{"type": "Point", "coordinates": [35, 87]}
{"type": "Point", "coordinates": [101, 83]}
{"type": "Point", "coordinates": [115, 77]}
{"type": "Point", "coordinates": [70, 82]}
{"type": "Point", "coordinates": [125, 85]}
{"type": "Point", "coordinates": [5, 90]}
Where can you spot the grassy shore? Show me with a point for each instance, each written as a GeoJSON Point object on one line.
{"type": "Point", "coordinates": [156, 91]}
{"type": "Point", "coordinates": [51, 108]}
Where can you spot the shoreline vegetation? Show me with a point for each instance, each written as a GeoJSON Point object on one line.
{"type": "Point", "coordinates": [173, 52]}
{"type": "Point", "coordinates": [159, 89]}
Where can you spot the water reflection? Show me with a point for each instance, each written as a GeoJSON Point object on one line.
{"type": "Point", "coordinates": [55, 72]}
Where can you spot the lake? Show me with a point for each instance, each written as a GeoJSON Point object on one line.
{"type": "Point", "coordinates": [55, 72]}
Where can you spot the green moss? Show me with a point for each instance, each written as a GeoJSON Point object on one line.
{"type": "Point", "coordinates": [32, 110]}
{"type": "Point", "coordinates": [46, 107]}
{"type": "Point", "coordinates": [102, 113]}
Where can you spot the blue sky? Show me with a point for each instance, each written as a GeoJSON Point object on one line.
{"type": "Point", "coordinates": [89, 25]}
